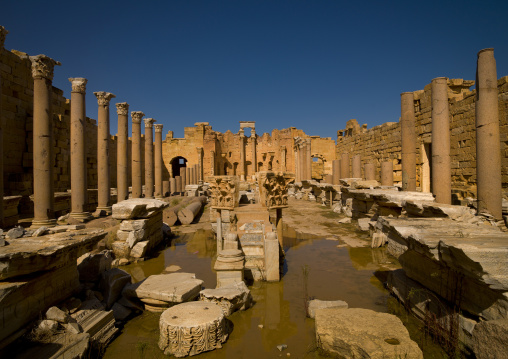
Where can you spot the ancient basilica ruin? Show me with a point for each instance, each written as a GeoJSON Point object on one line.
{"type": "Point", "coordinates": [92, 224]}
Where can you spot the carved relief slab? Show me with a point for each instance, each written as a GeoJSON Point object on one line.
{"type": "Point", "coordinates": [224, 191]}
{"type": "Point", "coordinates": [273, 188]}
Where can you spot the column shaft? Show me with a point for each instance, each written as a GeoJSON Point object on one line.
{"type": "Point", "coordinates": [254, 155]}
{"type": "Point", "coordinates": [488, 150]}
{"type": "Point", "coordinates": [149, 180]}
{"type": "Point", "coordinates": [241, 169]}
{"type": "Point", "coordinates": [309, 159]}
{"type": "Point", "coordinates": [408, 141]}
{"type": "Point", "coordinates": [158, 161]}
{"type": "Point", "coordinates": [137, 180]}
{"type": "Point", "coordinates": [122, 174]}
{"type": "Point", "coordinates": [387, 173]}
{"type": "Point", "coordinates": [3, 34]}
{"type": "Point", "coordinates": [441, 169]}
{"type": "Point", "coordinates": [370, 172]}
{"type": "Point", "coordinates": [344, 168]}
{"type": "Point", "coordinates": [336, 172]}
{"type": "Point", "coordinates": [356, 166]}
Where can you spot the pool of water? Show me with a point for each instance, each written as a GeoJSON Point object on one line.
{"type": "Point", "coordinates": [329, 271]}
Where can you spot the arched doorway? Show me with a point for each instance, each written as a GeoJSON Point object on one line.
{"type": "Point", "coordinates": [177, 164]}
{"type": "Point", "coordinates": [318, 166]}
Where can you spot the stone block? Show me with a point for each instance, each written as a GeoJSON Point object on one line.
{"type": "Point", "coordinates": [490, 339]}
{"type": "Point", "coordinates": [139, 250]}
{"type": "Point", "coordinates": [92, 265]}
{"type": "Point", "coordinates": [112, 283]}
{"type": "Point", "coordinates": [316, 304]}
{"type": "Point", "coordinates": [230, 298]}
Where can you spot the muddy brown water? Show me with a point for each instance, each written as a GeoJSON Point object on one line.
{"type": "Point", "coordinates": [277, 317]}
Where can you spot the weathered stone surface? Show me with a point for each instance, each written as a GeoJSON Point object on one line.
{"type": "Point", "coordinates": [95, 321]}
{"type": "Point", "coordinates": [121, 249]}
{"type": "Point", "coordinates": [73, 328]}
{"type": "Point", "coordinates": [230, 298]}
{"type": "Point", "coordinates": [56, 314]}
{"type": "Point", "coordinates": [133, 225]}
{"type": "Point", "coordinates": [139, 250]}
{"type": "Point", "coordinates": [192, 328]}
{"type": "Point", "coordinates": [165, 289]}
{"type": "Point", "coordinates": [112, 283]}
{"type": "Point", "coordinates": [41, 231]}
{"type": "Point", "coordinates": [363, 333]}
{"type": "Point", "coordinates": [22, 301]}
{"type": "Point", "coordinates": [490, 339]}
{"type": "Point", "coordinates": [135, 236]}
{"type": "Point", "coordinates": [120, 312]}
{"type": "Point", "coordinates": [92, 265]}
{"type": "Point", "coordinates": [29, 255]}
{"type": "Point", "coordinates": [316, 304]}
{"type": "Point", "coordinates": [15, 232]}
{"type": "Point", "coordinates": [363, 223]}
{"type": "Point", "coordinates": [137, 208]}
{"type": "Point", "coordinates": [433, 209]}
{"type": "Point", "coordinates": [48, 325]}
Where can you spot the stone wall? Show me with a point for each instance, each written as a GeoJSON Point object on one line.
{"type": "Point", "coordinates": [383, 143]}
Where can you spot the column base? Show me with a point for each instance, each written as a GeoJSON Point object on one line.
{"type": "Point", "coordinates": [103, 211]}
{"type": "Point", "coordinates": [38, 223]}
{"type": "Point", "coordinates": [81, 216]}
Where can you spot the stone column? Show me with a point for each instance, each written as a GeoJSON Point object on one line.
{"type": "Point", "coordinates": [196, 174]}
{"type": "Point", "coordinates": [441, 168]}
{"type": "Point", "coordinates": [79, 193]}
{"type": "Point", "coordinates": [387, 173]}
{"type": "Point", "coordinates": [166, 189]}
{"type": "Point", "coordinates": [356, 166]}
{"type": "Point", "coordinates": [241, 170]}
{"type": "Point", "coordinates": [188, 176]}
{"type": "Point", "coordinates": [172, 186]}
{"type": "Point", "coordinates": [408, 133]}
{"type": "Point", "coordinates": [3, 34]}
{"type": "Point", "coordinates": [200, 164]}
{"type": "Point", "coordinates": [301, 157]}
{"type": "Point", "coordinates": [158, 161]}
{"type": "Point", "coordinates": [297, 167]}
{"type": "Point", "coordinates": [42, 72]}
{"type": "Point", "coordinates": [103, 185]}
{"type": "Point", "coordinates": [212, 162]}
{"type": "Point", "coordinates": [149, 181]}
{"type": "Point", "coordinates": [183, 175]}
{"type": "Point", "coordinates": [283, 158]}
{"type": "Point", "coordinates": [344, 168]}
{"type": "Point", "coordinates": [488, 150]}
{"type": "Point", "coordinates": [178, 184]}
{"type": "Point", "coordinates": [254, 155]}
{"type": "Point", "coordinates": [122, 175]}
{"type": "Point", "coordinates": [370, 172]}
{"type": "Point", "coordinates": [309, 159]}
{"type": "Point", "coordinates": [192, 180]}
{"type": "Point", "coordinates": [137, 180]}
{"type": "Point", "coordinates": [336, 172]}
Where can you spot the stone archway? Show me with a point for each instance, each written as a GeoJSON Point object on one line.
{"type": "Point", "coordinates": [176, 165]}
{"type": "Point", "coordinates": [318, 166]}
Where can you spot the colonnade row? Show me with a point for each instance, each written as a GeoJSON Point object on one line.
{"type": "Point", "coordinates": [488, 151]}
{"type": "Point", "coordinates": [42, 72]}
{"type": "Point", "coordinates": [303, 159]}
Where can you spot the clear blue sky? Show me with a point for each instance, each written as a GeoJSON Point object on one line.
{"type": "Point", "coordinates": [309, 64]}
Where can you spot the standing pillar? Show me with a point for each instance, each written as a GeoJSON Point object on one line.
{"type": "Point", "coordinates": [488, 150]}
{"type": "Point", "coordinates": [370, 172]}
{"type": "Point", "coordinates": [212, 163]}
{"type": "Point", "coordinates": [200, 164]}
{"type": "Point", "coordinates": [183, 175]}
{"type": "Point", "coordinates": [188, 176]}
{"type": "Point", "coordinates": [279, 226]}
{"type": "Point", "coordinates": [3, 34]}
{"type": "Point", "coordinates": [408, 133]}
{"type": "Point", "coordinates": [178, 184]}
{"type": "Point", "coordinates": [441, 168]}
{"type": "Point", "coordinates": [301, 162]}
{"type": "Point", "coordinates": [297, 167]}
{"type": "Point", "coordinates": [42, 72]}
{"type": "Point", "coordinates": [254, 156]}
{"type": "Point", "coordinates": [241, 170]}
{"type": "Point", "coordinates": [158, 161]}
{"type": "Point", "coordinates": [122, 175]}
{"type": "Point", "coordinates": [356, 166]}
{"type": "Point", "coordinates": [192, 176]}
{"type": "Point", "coordinates": [149, 181]}
{"type": "Point", "coordinates": [137, 180]}
{"type": "Point", "coordinates": [103, 185]}
{"type": "Point", "coordinates": [387, 173]}
{"type": "Point", "coordinates": [172, 186]}
{"type": "Point", "coordinates": [344, 166]}
{"type": "Point", "coordinates": [336, 172]}
{"type": "Point", "coordinates": [283, 158]}
{"type": "Point", "coordinates": [196, 174]}
{"type": "Point", "coordinates": [79, 193]}
{"type": "Point", "coordinates": [309, 159]}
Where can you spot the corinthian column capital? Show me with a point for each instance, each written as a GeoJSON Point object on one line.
{"type": "Point", "coordinates": [42, 66]}
{"type": "Point", "coordinates": [137, 116]}
{"type": "Point", "coordinates": [103, 97]}
{"type": "Point", "coordinates": [122, 108]}
{"type": "Point", "coordinates": [158, 127]}
{"type": "Point", "coordinates": [149, 122]}
{"type": "Point", "coordinates": [78, 84]}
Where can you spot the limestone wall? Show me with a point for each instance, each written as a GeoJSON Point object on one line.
{"type": "Point", "coordinates": [382, 142]}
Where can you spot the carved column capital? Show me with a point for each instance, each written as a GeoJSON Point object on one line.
{"type": "Point", "coordinates": [137, 116]}
{"type": "Point", "coordinates": [158, 127]}
{"type": "Point", "coordinates": [103, 97]}
{"type": "Point", "coordinates": [3, 34]}
{"type": "Point", "coordinates": [149, 122]}
{"type": "Point", "coordinates": [78, 84]}
{"type": "Point", "coordinates": [122, 108]}
{"type": "Point", "coordinates": [42, 67]}
{"type": "Point", "coordinates": [200, 150]}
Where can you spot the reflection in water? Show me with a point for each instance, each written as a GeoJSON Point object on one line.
{"type": "Point", "coordinates": [278, 314]}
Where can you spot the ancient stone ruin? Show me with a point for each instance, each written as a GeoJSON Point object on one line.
{"type": "Point", "coordinates": [87, 215]}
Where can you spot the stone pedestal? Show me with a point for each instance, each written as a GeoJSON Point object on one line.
{"type": "Point", "coordinates": [42, 72]}
{"type": "Point", "coordinates": [159, 193]}
{"type": "Point", "coordinates": [122, 175]}
{"type": "Point", "coordinates": [408, 133]}
{"type": "Point", "coordinates": [79, 194]}
{"type": "Point", "coordinates": [272, 271]}
{"type": "Point", "coordinates": [149, 178]}
{"type": "Point", "coordinates": [488, 151]}
{"type": "Point", "coordinates": [192, 328]}
{"type": "Point", "coordinates": [387, 173]}
{"type": "Point", "coordinates": [137, 180]}
{"type": "Point", "coordinates": [356, 166]}
{"type": "Point", "coordinates": [370, 172]}
{"type": "Point", "coordinates": [104, 200]}
{"type": "Point", "coordinates": [344, 166]}
{"type": "Point", "coordinates": [229, 267]}
{"type": "Point", "coordinates": [441, 169]}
